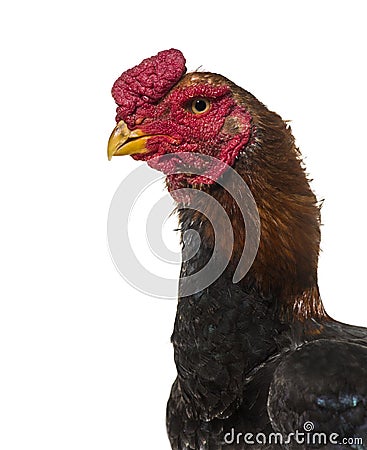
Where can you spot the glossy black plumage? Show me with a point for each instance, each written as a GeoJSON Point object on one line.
{"type": "Point", "coordinates": [242, 368]}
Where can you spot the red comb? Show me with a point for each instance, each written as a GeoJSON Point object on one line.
{"type": "Point", "coordinates": [147, 83]}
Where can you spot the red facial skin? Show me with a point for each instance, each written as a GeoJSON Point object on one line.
{"type": "Point", "coordinates": [152, 104]}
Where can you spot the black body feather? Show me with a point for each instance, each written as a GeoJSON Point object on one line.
{"type": "Point", "coordinates": [244, 367]}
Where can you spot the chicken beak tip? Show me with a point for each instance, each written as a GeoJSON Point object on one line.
{"type": "Point", "coordinates": [125, 142]}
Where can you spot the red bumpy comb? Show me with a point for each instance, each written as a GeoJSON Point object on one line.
{"type": "Point", "coordinates": [146, 83]}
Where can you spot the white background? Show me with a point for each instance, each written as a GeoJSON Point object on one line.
{"type": "Point", "coordinates": [86, 361]}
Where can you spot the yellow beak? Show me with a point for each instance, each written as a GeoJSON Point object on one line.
{"type": "Point", "coordinates": [126, 142]}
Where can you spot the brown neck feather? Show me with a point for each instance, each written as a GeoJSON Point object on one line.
{"type": "Point", "coordinates": [286, 263]}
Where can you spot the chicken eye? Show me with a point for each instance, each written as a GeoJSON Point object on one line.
{"type": "Point", "coordinates": [200, 105]}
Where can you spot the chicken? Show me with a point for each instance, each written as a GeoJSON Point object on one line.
{"type": "Point", "coordinates": [259, 361]}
